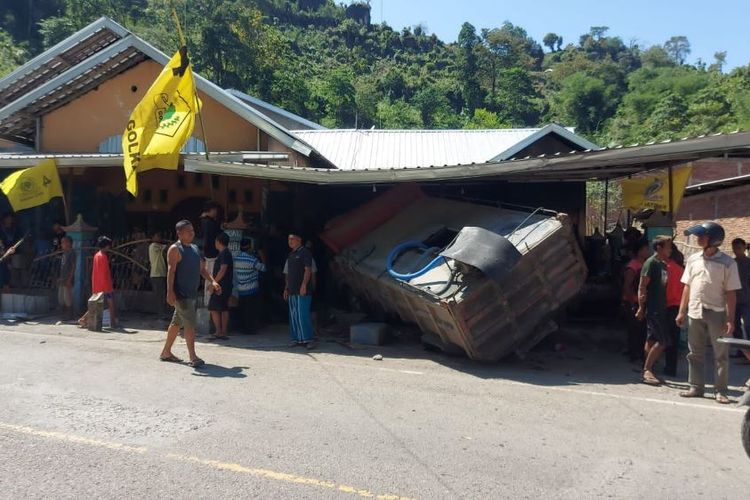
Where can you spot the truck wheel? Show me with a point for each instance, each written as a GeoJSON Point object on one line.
{"type": "Point", "coordinates": [746, 433]}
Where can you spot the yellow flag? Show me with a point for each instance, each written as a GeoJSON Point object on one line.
{"type": "Point", "coordinates": [653, 191]}
{"type": "Point", "coordinates": [162, 122]}
{"type": "Point", "coordinates": [33, 186]}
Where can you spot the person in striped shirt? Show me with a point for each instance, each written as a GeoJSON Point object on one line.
{"type": "Point", "coordinates": [247, 269]}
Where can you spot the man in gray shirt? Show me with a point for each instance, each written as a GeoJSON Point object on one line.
{"type": "Point", "coordinates": [185, 266]}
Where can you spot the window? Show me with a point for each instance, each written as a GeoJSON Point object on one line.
{"type": "Point", "coordinates": [232, 196]}
{"type": "Point", "coordinates": [248, 196]}
{"type": "Point", "coordinates": [215, 181]}
{"type": "Point", "coordinates": [163, 196]}
{"type": "Point", "coordinates": [198, 179]}
{"type": "Point", "coordinates": [181, 181]}
{"type": "Point", "coordinates": [147, 195]}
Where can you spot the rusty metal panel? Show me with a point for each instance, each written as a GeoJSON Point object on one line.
{"type": "Point", "coordinates": [456, 302]}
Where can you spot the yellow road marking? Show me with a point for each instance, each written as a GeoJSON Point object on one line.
{"type": "Point", "coordinates": [59, 436]}
{"type": "Point", "coordinates": [215, 464]}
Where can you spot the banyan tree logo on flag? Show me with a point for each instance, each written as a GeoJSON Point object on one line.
{"type": "Point", "coordinates": [171, 113]}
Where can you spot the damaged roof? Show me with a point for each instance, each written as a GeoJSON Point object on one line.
{"type": "Point", "coordinates": [611, 163]}
{"type": "Point", "coordinates": [355, 150]}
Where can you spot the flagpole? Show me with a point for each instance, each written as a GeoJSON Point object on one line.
{"type": "Point", "coordinates": [62, 190]}
{"type": "Point", "coordinates": [183, 42]}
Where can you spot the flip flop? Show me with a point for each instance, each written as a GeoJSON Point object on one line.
{"type": "Point", "coordinates": [197, 363]}
{"type": "Point", "coordinates": [218, 337]}
{"type": "Point", "coordinates": [170, 359]}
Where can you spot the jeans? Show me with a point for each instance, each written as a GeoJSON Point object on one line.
{"type": "Point", "coordinates": [636, 332]}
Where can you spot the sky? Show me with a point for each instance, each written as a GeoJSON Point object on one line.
{"type": "Point", "coordinates": [711, 26]}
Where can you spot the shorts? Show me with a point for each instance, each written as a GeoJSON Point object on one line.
{"type": "Point", "coordinates": [65, 296]}
{"type": "Point", "coordinates": [185, 315]}
{"type": "Point", "coordinates": [219, 303]}
{"type": "Point", "coordinates": [657, 328]}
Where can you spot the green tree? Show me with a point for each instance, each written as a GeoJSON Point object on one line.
{"type": "Point", "coordinates": [678, 48]}
{"type": "Point", "coordinates": [467, 45]}
{"type": "Point", "coordinates": [11, 55]}
{"type": "Point", "coordinates": [550, 40]}
{"type": "Point", "coordinates": [485, 119]}
{"type": "Point", "coordinates": [398, 114]}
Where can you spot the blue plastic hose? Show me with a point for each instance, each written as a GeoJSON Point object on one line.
{"type": "Point", "coordinates": [407, 245]}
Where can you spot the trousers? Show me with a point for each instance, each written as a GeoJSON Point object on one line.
{"type": "Point", "coordinates": [300, 322]}
{"type": "Point", "coordinates": [700, 331]}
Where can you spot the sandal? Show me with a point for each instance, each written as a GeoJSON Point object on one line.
{"type": "Point", "coordinates": [196, 363]}
{"type": "Point", "coordinates": [170, 359]}
{"type": "Point", "coordinates": [692, 393]}
{"type": "Point", "coordinates": [722, 399]}
{"type": "Point", "coordinates": [650, 379]}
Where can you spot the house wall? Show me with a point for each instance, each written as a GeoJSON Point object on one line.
{"type": "Point", "coordinates": [729, 207]}
{"type": "Point", "coordinates": [82, 124]}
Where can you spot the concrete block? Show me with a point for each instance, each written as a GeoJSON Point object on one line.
{"type": "Point", "coordinates": [95, 312]}
{"type": "Point", "coordinates": [368, 333]}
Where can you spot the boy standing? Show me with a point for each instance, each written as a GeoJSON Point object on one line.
{"type": "Point", "coordinates": [65, 281]}
{"type": "Point", "coordinates": [652, 305]}
{"type": "Point", "coordinates": [158, 273]}
{"type": "Point", "coordinates": [101, 280]}
{"type": "Point", "coordinates": [223, 272]}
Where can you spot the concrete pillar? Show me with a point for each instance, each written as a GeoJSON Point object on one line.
{"type": "Point", "coordinates": [82, 235]}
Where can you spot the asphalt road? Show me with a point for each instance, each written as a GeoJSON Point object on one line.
{"type": "Point", "coordinates": [89, 415]}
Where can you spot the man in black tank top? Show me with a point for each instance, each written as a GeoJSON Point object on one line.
{"type": "Point", "coordinates": [184, 269]}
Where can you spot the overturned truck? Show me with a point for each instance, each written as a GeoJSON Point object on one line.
{"type": "Point", "coordinates": [487, 280]}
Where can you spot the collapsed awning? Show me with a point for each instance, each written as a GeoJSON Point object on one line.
{"type": "Point", "coordinates": [603, 164]}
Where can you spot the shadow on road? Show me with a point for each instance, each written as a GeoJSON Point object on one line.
{"type": "Point", "coordinates": [217, 371]}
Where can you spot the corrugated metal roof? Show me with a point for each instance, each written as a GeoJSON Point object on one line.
{"type": "Point", "coordinates": [398, 149]}
{"type": "Point", "coordinates": [609, 163]}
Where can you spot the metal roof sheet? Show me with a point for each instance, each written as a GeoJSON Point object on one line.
{"type": "Point", "coordinates": [612, 163]}
{"type": "Point", "coordinates": [354, 150]}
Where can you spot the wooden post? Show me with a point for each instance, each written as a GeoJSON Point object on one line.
{"type": "Point", "coordinates": [671, 200]}
{"type": "Point", "coordinates": [606, 205]}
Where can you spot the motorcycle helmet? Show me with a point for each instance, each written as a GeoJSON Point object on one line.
{"type": "Point", "coordinates": [713, 230]}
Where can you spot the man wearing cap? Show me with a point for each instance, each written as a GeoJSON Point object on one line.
{"type": "Point", "coordinates": [298, 292]}
{"type": "Point", "coordinates": [709, 300]}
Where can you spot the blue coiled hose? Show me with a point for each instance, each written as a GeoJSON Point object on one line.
{"type": "Point", "coordinates": [408, 245]}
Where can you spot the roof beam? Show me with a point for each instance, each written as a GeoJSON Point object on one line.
{"type": "Point", "coordinates": [65, 77]}
{"type": "Point", "coordinates": [67, 44]}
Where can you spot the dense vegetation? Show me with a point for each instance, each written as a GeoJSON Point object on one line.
{"type": "Point", "coordinates": [329, 63]}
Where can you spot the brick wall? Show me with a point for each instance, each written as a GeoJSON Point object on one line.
{"type": "Point", "coordinates": [729, 207]}
{"type": "Point", "coordinates": [714, 169]}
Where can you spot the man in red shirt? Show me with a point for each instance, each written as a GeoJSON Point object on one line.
{"type": "Point", "coordinates": [675, 270]}
{"type": "Point", "coordinates": [101, 280]}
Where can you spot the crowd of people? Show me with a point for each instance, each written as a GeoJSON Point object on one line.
{"type": "Point", "coordinates": [175, 272]}
{"type": "Point", "coordinates": [708, 294]}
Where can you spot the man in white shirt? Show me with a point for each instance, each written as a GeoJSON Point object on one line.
{"type": "Point", "coordinates": [158, 272]}
{"type": "Point", "coordinates": [709, 300]}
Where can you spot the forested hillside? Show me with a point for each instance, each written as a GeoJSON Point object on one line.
{"type": "Point", "coordinates": [330, 63]}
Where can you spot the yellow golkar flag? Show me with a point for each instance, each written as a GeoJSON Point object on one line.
{"type": "Point", "coordinates": [162, 122]}
{"type": "Point", "coordinates": [32, 186]}
{"type": "Point", "coordinates": [652, 191]}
